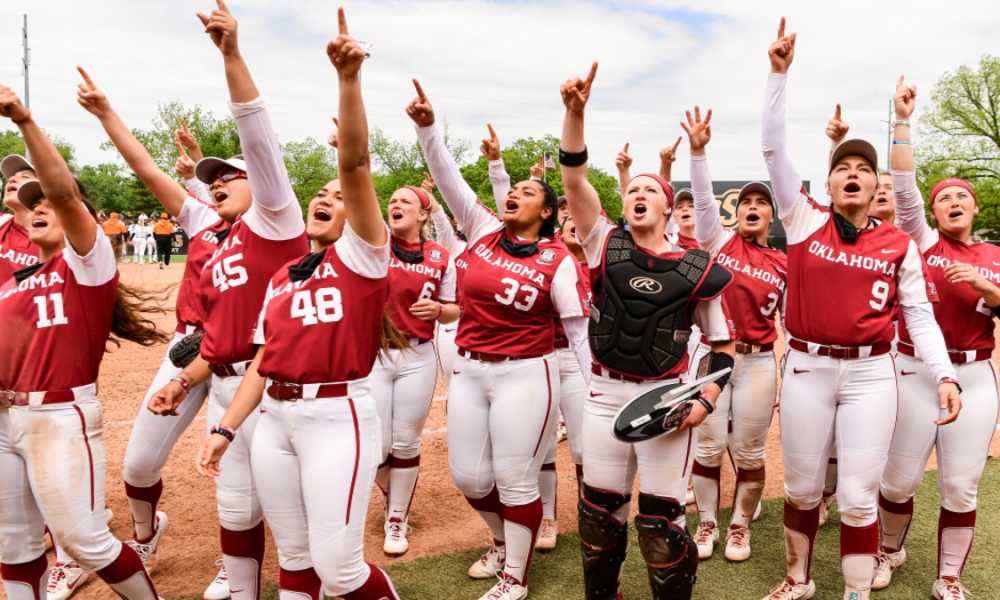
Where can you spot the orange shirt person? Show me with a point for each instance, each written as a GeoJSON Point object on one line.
{"type": "Point", "coordinates": [116, 230]}
{"type": "Point", "coordinates": [163, 232]}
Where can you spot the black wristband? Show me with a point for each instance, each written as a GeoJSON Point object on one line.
{"type": "Point", "coordinates": [706, 403]}
{"type": "Point", "coordinates": [572, 159]}
{"type": "Point", "coordinates": [719, 361]}
{"type": "Point", "coordinates": [225, 432]}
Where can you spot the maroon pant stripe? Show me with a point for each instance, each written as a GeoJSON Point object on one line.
{"type": "Point", "coordinates": [357, 458]}
{"type": "Point", "coordinates": [548, 409]}
{"type": "Point", "coordinates": [90, 453]}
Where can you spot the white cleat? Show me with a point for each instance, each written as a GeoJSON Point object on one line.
{"type": "Point", "coordinates": [824, 508]}
{"type": "Point", "coordinates": [395, 537]}
{"type": "Point", "coordinates": [506, 589]}
{"type": "Point", "coordinates": [64, 580]}
{"type": "Point", "coordinates": [546, 541]}
{"type": "Point", "coordinates": [219, 589]}
{"type": "Point", "coordinates": [789, 590]}
{"type": "Point", "coordinates": [856, 593]}
{"type": "Point", "coordinates": [887, 563]}
{"type": "Point", "coordinates": [757, 511]}
{"type": "Point", "coordinates": [490, 564]}
{"type": "Point", "coordinates": [147, 551]}
{"type": "Point", "coordinates": [737, 543]}
{"type": "Point", "coordinates": [946, 589]}
{"type": "Point", "coordinates": [705, 538]}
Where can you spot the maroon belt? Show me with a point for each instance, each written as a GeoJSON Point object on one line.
{"type": "Point", "coordinates": [487, 357]}
{"type": "Point", "coordinates": [842, 352]}
{"type": "Point", "coordinates": [9, 398]}
{"type": "Point", "coordinates": [561, 343]}
{"type": "Point", "coordinates": [745, 348]}
{"type": "Point", "coordinates": [293, 391]}
{"type": "Point", "coordinates": [225, 371]}
{"type": "Point", "coordinates": [597, 370]}
{"type": "Point", "coordinates": [957, 357]}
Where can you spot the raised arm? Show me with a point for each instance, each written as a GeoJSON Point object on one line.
{"type": "Point", "coordinates": [667, 157]}
{"type": "Point", "coordinates": [584, 203]}
{"type": "Point", "coordinates": [221, 26]}
{"type": "Point", "coordinates": [354, 167]}
{"type": "Point", "coordinates": [54, 176]}
{"type": "Point", "coordinates": [624, 162]}
{"type": "Point", "coordinates": [499, 178]}
{"type": "Point", "coordinates": [707, 226]}
{"type": "Point", "coordinates": [167, 191]}
{"type": "Point", "coordinates": [910, 217]}
{"type": "Point", "coordinates": [781, 168]}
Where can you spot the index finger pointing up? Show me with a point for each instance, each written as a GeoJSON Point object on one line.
{"type": "Point", "coordinates": [679, 138]}
{"type": "Point", "coordinates": [222, 6]}
{"type": "Point", "coordinates": [90, 82]}
{"type": "Point", "coordinates": [781, 28]}
{"type": "Point", "coordinates": [590, 77]}
{"type": "Point", "coordinates": [626, 147]}
{"type": "Point", "coordinates": [836, 115]}
{"type": "Point", "coordinates": [493, 134]}
{"type": "Point", "coordinates": [341, 19]}
{"type": "Point", "coordinates": [185, 126]}
{"type": "Point", "coordinates": [420, 90]}
{"type": "Point", "coordinates": [899, 85]}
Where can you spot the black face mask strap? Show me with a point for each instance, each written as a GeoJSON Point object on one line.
{"type": "Point", "coordinates": [847, 230]}
{"type": "Point", "coordinates": [518, 250]}
{"type": "Point", "coordinates": [306, 267]}
{"type": "Point", "coordinates": [411, 257]}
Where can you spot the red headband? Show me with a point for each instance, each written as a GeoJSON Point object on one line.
{"type": "Point", "coordinates": [952, 182]}
{"type": "Point", "coordinates": [425, 202]}
{"type": "Point", "coordinates": [669, 191]}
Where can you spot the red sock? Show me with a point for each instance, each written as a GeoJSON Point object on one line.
{"type": "Point", "coordinates": [243, 555]}
{"type": "Point", "coordinates": [521, 524]}
{"type": "Point", "coordinates": [143, 502]}
{"type": "Point", "coordinates": [127, 576]}
{"type": "Point", "coordinates": [378, 587]}
{"type": "Point", "coordinates": [292, 584]}
{"type": "Point", "coordinates": [859, 554]}
{"type": "Point", "coordinates": [799, 556]}
{"type": "Point", "coordinates": [32, 575]}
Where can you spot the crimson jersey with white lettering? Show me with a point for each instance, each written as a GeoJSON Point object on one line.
{"type": "Point", "coordinates": [57, 319]}
{"type": "Point", "coordinates": [200, 223]}
{"type": "Point", "coordinates": [508, 302]}
{"type": "Point", "coordinates": [433, 278]}
{"type": "Point", "coordinates": [233, 285]}
{"type": "Point", "coordinates": [336, 314]}
{"type": "Point", "coordinates": [842, 293]}
{"type": "Point", "coordinates": [964, 318]}
{"type": "Point", "coordinates": [16, 250]}
{"type": "Point", "coordinates": [759, 279]}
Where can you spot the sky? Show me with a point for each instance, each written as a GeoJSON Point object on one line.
{"type": "Point", "coordinates": [502, 62]}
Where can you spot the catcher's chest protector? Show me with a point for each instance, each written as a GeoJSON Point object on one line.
{"type": "Point", "coordinates": [640, 319]}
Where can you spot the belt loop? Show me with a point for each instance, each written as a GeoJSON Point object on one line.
{"type": "Point", "coordinates": [36, 399]}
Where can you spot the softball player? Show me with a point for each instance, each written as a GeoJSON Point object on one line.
{"type": "Point", "coordinates": [153, 437]}
{"type": "Point", "coordinates": [318, 409]}
{"type": "Point", "coordinates": [844, 267]}
{"type": "Point", "coordinates": [635, 265]}
{"type": "Point", "coordinates": [421, 294]}
{"type": "Point", "coordinates": [965, 273]}
{"type": "Point", "coordinates": [16, 249]}
{"type": "Point", "coordinates": [758, 290]}
{"type": "Point", "coordinates": [449, 239]}
{"type": "Point", "coordinates": [57, 317]}
{"type": "Point", "coordinates": [501, 407]}
{"type": "Point", "coordinates": [267, 231]}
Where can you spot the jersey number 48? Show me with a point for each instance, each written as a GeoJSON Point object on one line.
{"type": "Point", "coordinates": [326, 309]}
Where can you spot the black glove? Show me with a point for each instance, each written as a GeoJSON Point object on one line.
{"type": "Point", "coordinates": [186, 350]}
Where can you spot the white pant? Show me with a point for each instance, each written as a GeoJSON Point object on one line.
{"type": "Point", "coordinates": [403, 387]}
{"type": "Point", "coordinates": [52, 472]}
{"type": "Point", "coordinates": [962, 446]}
{"type": "Point", "coordinates": [151, 248]}
{"type": "Point", "coordinates": [572, 396]}
{"type": "Point", "coordinates": [664, 464]}
{"type": "Point", "coordinates": [138, 249]}
{"type": "Point", "coordinates": [500, 418]}
{"type": "Point", "coordinates": [447, 349]}
{"type": "Point", "coordinates": [239, 506]}
{"type": "Point", "coordinates": [314, 462]}
{"type": "Point", "coordinates": [153, 436]}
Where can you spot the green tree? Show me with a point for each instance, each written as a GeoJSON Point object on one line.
{"type": "Point", "coordinates": [963, 124]}
{"type": "Point", "coordinates": [310, 165]}
{"type": "Point", "coordinates": [11, 142]}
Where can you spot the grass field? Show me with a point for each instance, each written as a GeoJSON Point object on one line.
{"type": "Point", "coordinates": [558, 575]}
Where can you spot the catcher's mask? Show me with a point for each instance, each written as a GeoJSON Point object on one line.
{"type": "Point", "coordinates": [659, 411]}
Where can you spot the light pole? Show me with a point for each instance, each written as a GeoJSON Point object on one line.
{"type": "Point", "coordinates": [888, 147]}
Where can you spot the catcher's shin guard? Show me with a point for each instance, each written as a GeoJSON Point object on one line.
{"type": "Point", "coordinates": [671, 555]}
{"type": "Point", "coordinates": [603, 542]}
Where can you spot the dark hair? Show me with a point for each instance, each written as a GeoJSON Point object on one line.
{"type": "Point", "coordinates": [548, 228]}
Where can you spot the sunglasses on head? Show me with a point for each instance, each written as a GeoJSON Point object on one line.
{"type": "Point", "coordinates": [230, 176]}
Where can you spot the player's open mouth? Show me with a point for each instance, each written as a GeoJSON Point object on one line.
{"type": "Point", "coordinates": [753, 219]}
{"type": "Point", "coordinates": [39, 224]}
{"type": "Point", "coordinates": [882, 200]}
{"type": "Point", "coordinates": [955, 214]}
{"type": "Point", "coordinates": [852, 188]}
{"type": "Point", "coordinates": [321, 215]}
{"type": "Point", "coordinates": [397, 215]}
{"type": "Point", "coordinates": [11, 188]}
{"type": "Point", "coordinates": [685, 217]}
{"type": "Point", "coordinates": [639, 210]}
{"type": "Point", "coordinates": [220, 196]}
{"type": "Point", "coordinates": [510, 206]}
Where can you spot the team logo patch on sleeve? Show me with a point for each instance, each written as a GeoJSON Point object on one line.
{"type": "Point", "coordinates": [547, 255]}
{"type": "Point", "coordinates": [436, 255]}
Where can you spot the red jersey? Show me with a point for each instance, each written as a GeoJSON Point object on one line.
{"type": "Point", "coordinates": [327, 328]}
{"type": "Point", "coordinates": [843, 293]}
{"type": "Point", "coordinates": [201, 224]}
{"type": "Point", "coordinates": [759, 280]}
{"type": "Point", "coordinates": [16, 250]}
{"type": "Point", "coordinates": [965, 320]}
{"type": "Point", "coordinates": [687, 243]}
{"type": "Point", "coordinates": [433, 278]}
{"type": "Point", "coordinates": [233, 285]}
{"type": "Point", "coordinates": [461, 266]}
{"type": "Point", "coordinates": [56, 320]}
{"type": "Point", "coordinates": [509, 303]}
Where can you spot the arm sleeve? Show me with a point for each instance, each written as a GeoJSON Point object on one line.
{"type": "Point", "coordinates": [714, 322]}
{"type": "Point", "coordinates": [927, 338]}
{"type": "Point", "coordinates": [199, 189]}
{"type": "Point", "coordinates": [361, 257]}
{"type": "Point", "coordinates": [576, 333]}
{"type": "Point", "coordinates": [275, 214]}
{"type": "Point", "coordinates": [569, 291]}
{"type": "Point", "coordinates": [781, 168]}
{"type": "Point", "coordinates": [593, 245]}
{"type": "Point", "coordinates": [472, 217]}
{"type": "Point", "coordinates": [194, 216]}
{"type": "Point", "coordinates": [500, 180]}
{"type": "Point", "coordinates": [445, 234]}
{"type": "Point", "coordinates": [448, 281]}
{"type": "Point", "coordinates": [910, 218]}
{"type": "Point", "coordinates": [708, 227]}
{"type": "Point", "coordinates": [96, 268]}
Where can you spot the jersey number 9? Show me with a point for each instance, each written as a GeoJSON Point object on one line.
{"type": "Point", "coordinates": [881, 292]}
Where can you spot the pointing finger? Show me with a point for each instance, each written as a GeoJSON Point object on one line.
{"type": "Point", "coordinates": [781, 28]}
{"type": "Point", "coordinates": [679, 138]}
{"type": "Point", "coordinates": [336, 122]}
{"type": "Point", "coordinates": [420, 90]}
{"type": "Point", "coordinates": [180, 149]}
{"type": "Point", "coordinates": [836, 114]}
{"type": "Point", "coordinates": [899, 84]}
{"type": "Point", "coordinates": [222, 6]}
{"type": "Point", "coordinates": [86, 77]}
{"type": "Point", "coordinates": [626, 148]}
{"type": "Point", "coordinates": [493, 134]}
{"type": "Point", "coordinates": [341, 20]}
{"type": "Point", "coordinates": [185, 126]}
{"type": "Point", "coordinates": [590, 77]}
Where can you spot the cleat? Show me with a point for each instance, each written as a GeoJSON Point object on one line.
{"type": "Point", "coordinates": [219, 588]}
{"type": "Point", "coordinates": [147, 551]}
{"type": "Point", "coordinates": [887, 563]}
{"type": "Point", "coordinates": [737, 543]}
{"type": "Point", "coordinates": [490, 564]}
{"type": "Point", "coordinates": [395, 537]}
{"type": "Point", "coordinates": [706, 538]}
{"type": "Point", "coordinates": [948, 589]}
{"type": "Point", "coordinates": [506, 589]}
{"type": "Point", "coordinates": [789, 590]}
{"type": "Point", "coordinates": [546, 541]}
{"type": "Point", "coordinates": [64, 580]}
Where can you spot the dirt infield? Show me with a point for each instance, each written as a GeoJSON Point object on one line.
{"type": "Point", "coordinates": [440, 518]}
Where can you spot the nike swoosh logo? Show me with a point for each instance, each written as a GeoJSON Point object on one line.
{"type": "Point", "coordinates": [905, 373]}
{"type": "Point", "coordinates": [884, 251]}
{"type": "Point", "coordinates": [593, 395]}
{"type": "Point", "coordinates": [456, 373]}
{"type": "Point", "coordinates": [797, 371]}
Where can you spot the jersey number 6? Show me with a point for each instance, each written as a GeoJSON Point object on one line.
{"type": "Point", "coordinates": [509, 293]}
